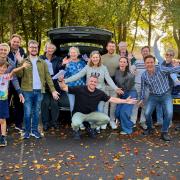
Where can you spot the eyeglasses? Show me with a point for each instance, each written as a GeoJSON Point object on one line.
{"type": "Point", "coordinates": [33, 47]}
{"type": "Point", "coordinates": [171, 55]}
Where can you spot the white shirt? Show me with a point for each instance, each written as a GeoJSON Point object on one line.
{"type": "Point", "coordinates": [36, 78]}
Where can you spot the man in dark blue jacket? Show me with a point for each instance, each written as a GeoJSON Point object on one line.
{"type": "Point", "coordinates": [49, 106]}
{"type": "Point", "coordinates": [16, 54]}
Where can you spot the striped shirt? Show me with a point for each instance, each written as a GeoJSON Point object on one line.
{"type": "Point", "coordinates": [158, 83]}
{"type": "Point", "coordinates": [138, 67]}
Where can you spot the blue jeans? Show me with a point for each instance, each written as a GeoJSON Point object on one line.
{"type": "Point", "coordinates": [165, 101]}
{"type": "Point", "coordinates": [123, 112]}
{"type": "Point", "coordinates": [32, 106]}
{"type": "Point", "coordinates": [101, 106]}
{"type": "Point", "coordinates": [159, 114]}
{"type": "Point", "coordinates": [71, 98]}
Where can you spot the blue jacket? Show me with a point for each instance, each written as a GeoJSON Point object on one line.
{"type": "Point", "coordinates": [13, 61]}
{"type": "Point", "coordinates": [12, 56]}
{"type": "Point", "coordinates": [14, 81]}
{"type": "Point", "coordinates": [57, 65]}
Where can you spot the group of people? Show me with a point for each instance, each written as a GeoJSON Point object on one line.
{"type": "Point", "coordinates": [100, 89]}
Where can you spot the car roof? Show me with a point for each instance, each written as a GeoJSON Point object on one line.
{"type": "Point", "coordinates": [69, 34]}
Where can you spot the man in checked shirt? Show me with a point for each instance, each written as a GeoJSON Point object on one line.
{"type": "Point", "coordinates": [157, 80]}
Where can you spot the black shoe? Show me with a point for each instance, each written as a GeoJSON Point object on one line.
{"type": "Point", "coordinates": [177, 128]}
{"type": "Point", "coordinates": [3, 141]}
{"type": "Point", "coordinates": [165, 136]}
{"type": "Point", "coordinates": [86, 124]}
{"type": "Point", "coordinates": [45, 128]}
{"type": "Point", "coordinates": [56, 127]}
{"type": "Point", "coordinates": [148, 131]}
{"type": "Point", "coordinates": [91, 132]}
{"type": "Point", "coordinates": [76, 135]}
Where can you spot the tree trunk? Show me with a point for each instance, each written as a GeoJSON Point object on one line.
{"type": "Point", "coordinates": [176, 34]}
{"type": "Point", "coordinates": [2, 7]}
{"type": "Point", "coordinates": [119, 32]}
{"type": "Point", "coordinates": [124, 29]}
{"type": "Point", "coordinates": [135, 34]}
{"type": "Point", "coordinates": [1, 34]}
{"type": "Point", "coordinates": [39, 35]}
{"type": "Point", "coordinates": [54, 6]}
{"type": "Point", "coordinates": [12, 19]}
{"type": "Point", "coordinates": [33, 23]}
{"type": "Point", "coordinates": [22, 20]}
{"type": "Point", "coordinates": [64, 10]}
{"type": "Point", "coordinates": [150, 25]}
{"type": "Point", "coordinates": [114, 34]}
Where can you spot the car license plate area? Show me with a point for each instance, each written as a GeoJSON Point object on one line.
{"type": "Point", "coordinates": [176, 101]}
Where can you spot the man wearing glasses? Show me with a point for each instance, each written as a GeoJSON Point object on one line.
{"type": "Point", "coordinates": [166, 61]}
{"type": "Point", "coordinates": [33, 83]}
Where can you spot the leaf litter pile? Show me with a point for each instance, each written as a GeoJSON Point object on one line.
{"type": "Point", "coordinates": [109, 156]}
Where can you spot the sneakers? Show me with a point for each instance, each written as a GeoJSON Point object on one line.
{"type": "Point", "coordinates": [36, 134]}
{"type": "Point", "coordinates": [45, 128]}
{"type": "Point", "coordinates": [82, 127]}
{"type": "Point", "coordinates": [91, 132]}
{"type": "Point", "coordinates": [26, 135]}
{"type": "Point", "coordinates": [98, 130]}
{"type": "Point", "coordinates": [76, 135]}
{"type": "Point", "coordinates": [123, 133]}
{"type": "Point", "coordinates": [113, 124]}
{"type": "Point", "coordinates": [104, 126]}
{"type": "Point", "coordinates": [165, 136]}
{"type": "Point", "coordinates": [158, 124]}
{"type": "Point", "coordinates": [56, 127]}
{"type": "Point", "coordinates": [148, 131]}
{"type": "Point", "coordinates": [18, 128]}
{"type": "Point", "coordinates": [3, 141]}
{"type": "Point", "coordinates": [143, 125]}
{"type": "Point", "coordinates": [170, 124]}
{"type": "Point", "coordinates": [177, 128]}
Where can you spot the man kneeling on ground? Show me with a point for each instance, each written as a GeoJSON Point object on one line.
{"type": "Point", "coordinates": [87, 99]}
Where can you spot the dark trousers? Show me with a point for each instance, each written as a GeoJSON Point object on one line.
{"type": "Point", "coordinates": [49, 110]}
{"type": "Point", "coordinates": [16, 108]}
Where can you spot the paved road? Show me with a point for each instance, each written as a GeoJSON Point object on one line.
{"type": "Point", "coordinates": [58, 156]}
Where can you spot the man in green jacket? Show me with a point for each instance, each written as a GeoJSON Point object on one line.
{"type": "Point", "coordinates": [33, 83]}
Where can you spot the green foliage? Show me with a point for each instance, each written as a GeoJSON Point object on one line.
{"type": "Point", "coordinates": [128, 19]}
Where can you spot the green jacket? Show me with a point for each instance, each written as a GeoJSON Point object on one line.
{"type": "Point", "coordinates": [27, 77]}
